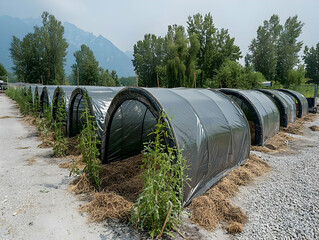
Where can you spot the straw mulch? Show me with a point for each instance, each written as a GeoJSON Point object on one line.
{"type": "Point", "coordinates": [73, 146]}
{"type": "Point", "coordinates": [121, 184]}
{"type": "Point", "coordinates": [298, 125]}
{"type": "Point", "coordinates": [5, 117]}
{"type": "Point", "coordinates": [214, 207]}
{"type": "Point", "coordinates": [314, 128]}
{"type": "Point", "coordinates": [279, 142]}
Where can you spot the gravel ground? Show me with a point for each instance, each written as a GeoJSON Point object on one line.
{"type": "Point", "coordinates": [35, 203]}
{"type": "Point", "coordinates": [285, 203]}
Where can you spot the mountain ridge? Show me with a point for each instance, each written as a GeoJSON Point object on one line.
{"type": "Point", "coordinates": [106, 53]}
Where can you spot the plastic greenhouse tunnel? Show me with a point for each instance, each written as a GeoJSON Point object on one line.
{"type": "Point", "coordinates": [37, 92]}
{"type": "Point", "coordinates": [62, 93]}
{"type": "Point", "coordinates": [302, 103]}
{"type": "Point", "coordinates": [99, 99]}
{"type": "Point", "coordinates": [33, 91]}
{"type": "Point", "coordinates": [28, 92]}
{"type": "Point", "coordinates": [46, 97]}
{"type": "Point", "coordinates": [261, 112]}
{"type": "Point", "coordinates": [285, 104]}
{"type": "Point", "coordinates": [210, 128]}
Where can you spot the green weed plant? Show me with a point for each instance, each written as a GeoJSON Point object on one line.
{"type": "Point", "coordinates": [60, 145]}
{"type": "Point", "coordinates": [88, 144]}
{"type": "Point", "coordinates": [159, 206]}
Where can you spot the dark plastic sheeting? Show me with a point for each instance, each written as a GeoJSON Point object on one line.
{"type": "Point", "coordinates": [208, 125]}
{"type": "Point", "coordinates": [64, 93]}
{"type": "Point", "coordinates": [36, 91]}
{"type": "Point", "coordinates": [302, 103]}
{"type": "Point", "coordinates": [46, 96]}
{"type": "Point", "coordinates": [285, 104]}
{"type": "Point", "coordinates": [99, 102]}
{"type": "Point", "coordinates": [261, 112]}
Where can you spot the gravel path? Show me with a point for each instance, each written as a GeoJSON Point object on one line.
{"type": "Point", "coordinates": [285, 203]}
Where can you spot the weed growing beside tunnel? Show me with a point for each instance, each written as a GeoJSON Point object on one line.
{"type": "Point", "coordinates": [60, 145]}
{"type": "Point", "coordinates": [88, 144]}
{"type": "Point", "coordinates": [22, 97]}
{"type": "Point", "coordinates": [159, 206]}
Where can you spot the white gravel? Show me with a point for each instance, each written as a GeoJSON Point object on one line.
{"type": "Point", "coordinates": [285, 203]}
{"type": "Point", "coordinates": [35, 202]}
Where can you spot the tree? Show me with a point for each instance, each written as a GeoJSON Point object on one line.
{"type": "Point", "coordinates": [311, 59]}
{"type": "Point", "coordinates": [232, 75]}
{"type": "Point", "coordinates": [216, 46]}
{"type": "Point", "coordinates": [54, 45]}
{"type": "Point", "coordinates": [3, 71]}
{"type": "Point", "coordinates": [176, 56]}
{"type": "Point", "coordinates": [87, 66]}
{"type": "Point", "coordinates": [106, 78]}
{"type": "Point", "coordinates": [191, 61]}
{"type": "Point", "coordinates": [229, 76]}
{"type": "Point", "coordinates": [115, 78]}
{"type": "Point", "coordinates": [17, 57]}
{"type": "Point", "coordinates": [253, 80]}
{"type": "Point", "coordinates": [149, 54]}
{"type": "Point", "coordinates": [40, 54]}
{"type": "Point", "coordinates": [296, 76]}
{"type": "Point", "coordinates": [275, 50]}
{"type": "Point", "coordinates": [27, 57]}
{"type": "Point", "coordinates": [128, 81]}
{"type": "Point", "coordinates": [288, 48]}
{"type": "Point", "coordinates": [264, 49]}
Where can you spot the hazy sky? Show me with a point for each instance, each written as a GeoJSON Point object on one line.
{"type": "Point", "coordinates": [124, 22]}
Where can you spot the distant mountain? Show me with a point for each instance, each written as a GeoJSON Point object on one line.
{"type": "Point", "coordinates": [108, 55]}
{"type": "Point", "coordinates": [129, 54]}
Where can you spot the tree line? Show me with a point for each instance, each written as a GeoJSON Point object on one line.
{"type": "Point", "coordinates": [198, 55]}
{"type": "Point", "coordinates": [204, 56]}
{"type": "Point", "coordinates": [40, 56]}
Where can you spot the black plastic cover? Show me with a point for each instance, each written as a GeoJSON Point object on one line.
{"type": "Point", "coordinates": [210, 128]}
{"type": "Point", "coordinates": [46, 96]}
{"type": "Point", "coordinates": [99, 102]}
{"type": "Point", "coordinates": [302, 103]}
{"type": "Point", "coordinates": [285, 104]}
{"type": "Point", "coordinates": [62, 93]}
{"type": "Point", "coordinates": [36, 91]}
{"type": "Point", "coordinates": [261, 112]}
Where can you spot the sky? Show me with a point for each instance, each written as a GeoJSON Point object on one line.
{"type": "Point", "coordinates": [124, 22]}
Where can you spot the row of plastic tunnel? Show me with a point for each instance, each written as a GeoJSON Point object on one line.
{"type": "Point", "coordinates": [214, 127]}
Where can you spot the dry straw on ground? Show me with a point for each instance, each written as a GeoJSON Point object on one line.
{"type": "Point", "coordinates": [76, 161]}
{"type": "Point", "coordinates": [314, 128]}
{"type": "Point", "coordinates": [214, 207]}
{"type": "Point", "coordinates": [30, 120]}
{"type": "Point", "coordinates": [5, 117]}
{"type": "Point", "coordinates": [107, 205]}
{"type": "Point", "coordinates": [279, 142]}
{"type": "Point", "coordinates": [73, 146]}
{"type": "Point", "coordinates": [298, 125]}
{"type": "Point", "coordinates": [121, 184]}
